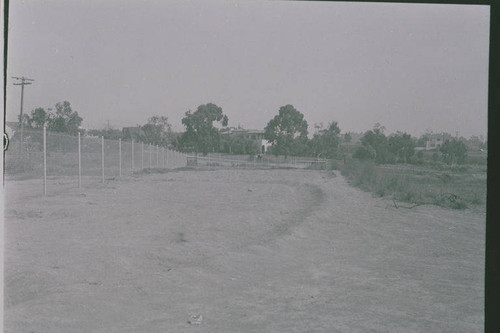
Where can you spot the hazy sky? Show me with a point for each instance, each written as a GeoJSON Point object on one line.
{"type": "Point", "coordinates": [410, 67]}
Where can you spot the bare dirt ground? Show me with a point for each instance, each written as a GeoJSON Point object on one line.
{"type": "Point", "coordinates": [249, 250]}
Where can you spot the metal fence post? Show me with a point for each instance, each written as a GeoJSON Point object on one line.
{"type": "Point", "coordinates": [167, 158]}
{"type": "Point", "coordinates": [142, 157]}
{"type": "Point", "coordinates": [150, 156]}
{"type": "Point", "coordinates": [79, 162]}
{"type": "Point", "coordinates": [157, 157]}
{"type": "Point", "coordinates": [102, 158]}
{"type": "Point", "coordinates": [45, 159]}
{"type": "Point", "coordinates": [132, 154]}
{"type": "Point", "coordinates": [120, 156]}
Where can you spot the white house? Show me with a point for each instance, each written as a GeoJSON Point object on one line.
{"type": "Point", "coordinates": [250, 134]}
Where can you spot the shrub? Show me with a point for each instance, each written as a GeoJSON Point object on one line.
{"type": "Point", "coordinates": [334, 165]}
{"type": "Point", "coordinates": [417, 159]}
{"type": "Point", "coordinates": [364, 153]}
{"type": "Point", "coordinates": [456, 188]}
{"type": "Point", "coordinates": [477, 160]}
{"type": "Point", "coordinates": [390, 158]}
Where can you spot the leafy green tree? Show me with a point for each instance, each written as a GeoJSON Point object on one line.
{"type": "Point", "coordinates": [422, 140]}
{"type": "Point", "coordinates": [38, 118]}
{"type": "Point", "coordinates": [287, 131]}
{"type": "Point", "coordinates": [364, 153]}
{"type": "Point", "coordinates": [157, 131]}
{"type": "Point", "coordinates": [347, 137]}
{"type": "Point", "coordinates": [65, 119]}
{"type": "Point", "coordinates": [417, 158]}
{"type": "Point", "coordinates": [326, 142]}
{"type": "Point", "coordinates": [26, 121]}
{"type": "Point", "coordinates": [200, 131]}
{"type": "Point", "coordinates": [454, 151]}
{"type": "Point", "coordinates": [401, 145]}
{"type": "Point", "coordinates": [375, 144]}
{"type": "Point", "coordinates": [476, 142]}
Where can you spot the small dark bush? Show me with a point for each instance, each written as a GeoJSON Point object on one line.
{"type": "Point", "coordinates": [334, 165]}
{"type": "Point", "coordinates": [364, 153]}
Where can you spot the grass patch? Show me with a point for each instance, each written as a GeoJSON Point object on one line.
{"type": "Point", "coordinates": [456, 187]}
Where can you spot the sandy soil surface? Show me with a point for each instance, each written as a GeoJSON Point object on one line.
{"type": "Point", "coordinates": [248, 250]}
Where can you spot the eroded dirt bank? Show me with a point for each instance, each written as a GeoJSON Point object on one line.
{"type": "Point", "coordinates": [249, 250]}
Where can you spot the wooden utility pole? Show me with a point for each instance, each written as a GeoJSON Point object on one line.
{"type": "Point", "coordinates": [24, 81]}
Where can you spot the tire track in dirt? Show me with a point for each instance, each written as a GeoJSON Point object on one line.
{"type": "Point", "coordinates": [312, 199]}
{"type": "Point", "coordinates": [336, 259]}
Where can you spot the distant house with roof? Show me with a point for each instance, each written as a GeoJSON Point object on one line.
{"type": "Point", "coordinates": [249, 134]}
{"type": "Point", "coordinates": [434, 141]}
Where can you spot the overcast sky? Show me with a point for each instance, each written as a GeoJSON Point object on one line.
{"type": "Point", "coordinates": [410, 67]}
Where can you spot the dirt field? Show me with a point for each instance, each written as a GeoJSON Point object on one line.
{"type": "Point", "coordinates": [249, 250]}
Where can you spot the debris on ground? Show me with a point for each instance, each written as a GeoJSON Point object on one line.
{"type": "Point", "coordinates": [195, 319]}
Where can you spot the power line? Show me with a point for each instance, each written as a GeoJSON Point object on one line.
{"type": "Point", "coordinates": [24, 81]}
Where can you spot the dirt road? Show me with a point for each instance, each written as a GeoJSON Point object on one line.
{"type": "Point", "coordinates": [249, 250]}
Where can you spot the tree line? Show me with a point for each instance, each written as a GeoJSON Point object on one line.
{"type": "Point", "coordinates": [400, 148]}
{"type": "Point", "coordinates": [287, 133]}
{"type": "Point", "coordinates": [63, 119]}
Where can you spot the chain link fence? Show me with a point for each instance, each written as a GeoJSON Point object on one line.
{"type": "Point", "coordinates": [84, 156]}
{"type": "Point", "coordinates": [90, 158]}
{"type": "Point", "coordinates": [215, 160]}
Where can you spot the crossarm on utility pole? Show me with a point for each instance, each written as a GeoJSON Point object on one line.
{"type": "Point", "coordinates": [24, 81]}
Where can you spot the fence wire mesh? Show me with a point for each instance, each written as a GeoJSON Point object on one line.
{"type": "Point", "coordinates": [88, 157]}
{"type": "Point", "coordinates": [92, 158]}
